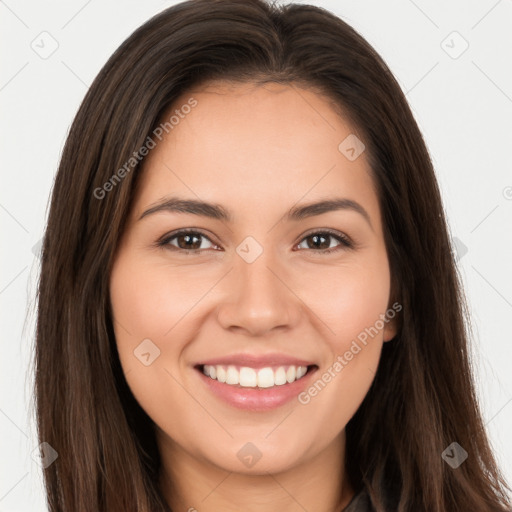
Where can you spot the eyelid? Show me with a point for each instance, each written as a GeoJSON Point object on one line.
{"type": "Point", "coordinates": [345, 241]}
{"type": "Point", "coordinates": [164, 240]}
{"type": "Point", "coordinates": [328, 231]}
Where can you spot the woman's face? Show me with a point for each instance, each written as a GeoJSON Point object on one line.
{"type": "Point", "coordinates": [256, 296]}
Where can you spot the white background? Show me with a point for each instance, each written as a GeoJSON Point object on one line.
{"type": "Point", "coordinates": [463, 107]}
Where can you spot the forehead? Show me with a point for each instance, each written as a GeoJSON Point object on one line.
{"type": "Point", "coordinates": [255, 147]}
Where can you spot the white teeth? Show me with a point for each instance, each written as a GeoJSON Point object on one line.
{"type": "Point", "coordinates": [232, 375]}
{"type": "Point", "coordinates": [250, 377]}
{"type": "Point", "coordinates": [221, 374]}
{"type": "Point", "coordinates": [265, 378]}
{"type": "Point", "coordinates": [280, 376]}
{"type": "Point", "coordinates": [291, 373]}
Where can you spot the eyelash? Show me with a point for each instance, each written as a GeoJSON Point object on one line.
{"type": "Point", "coordinates": [345, 242]}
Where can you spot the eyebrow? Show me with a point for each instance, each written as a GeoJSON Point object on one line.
{"type": "Point", "coordinates": [218, 212]}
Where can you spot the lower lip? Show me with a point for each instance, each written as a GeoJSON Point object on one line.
{"type": "Point", "coordinates": [257, 399]}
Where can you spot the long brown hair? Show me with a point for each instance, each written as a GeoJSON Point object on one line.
{"type": "Point", "coordinates": [423, 396]}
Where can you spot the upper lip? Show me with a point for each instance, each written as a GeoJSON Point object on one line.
{"type": "Point", "coordinates": [257, 361]}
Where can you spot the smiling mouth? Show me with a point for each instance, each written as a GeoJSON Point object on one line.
{"type": "Point", "coordinates": [258, 378]}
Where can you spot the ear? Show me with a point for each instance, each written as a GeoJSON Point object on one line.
{"type": "Point", "coordinates": [391, 326]}
{"type": "Point", "coordinates": [393, 314]}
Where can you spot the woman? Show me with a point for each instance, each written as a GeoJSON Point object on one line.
{"type": "Point", "coordinates": [248, 299]}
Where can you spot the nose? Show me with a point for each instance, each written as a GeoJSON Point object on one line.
{"type": "Point", "coordinates": [258, 298]}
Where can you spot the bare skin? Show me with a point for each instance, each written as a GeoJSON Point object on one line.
{"type": "Point", "coordinates": [257, 151]}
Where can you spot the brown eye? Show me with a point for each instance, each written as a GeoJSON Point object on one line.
{"type": "Point", "coordinates": [189, 241]}
{"type": "Point", "coordinates": [321, 242]}
{"type": "Point", "coordinates": [185, 241]}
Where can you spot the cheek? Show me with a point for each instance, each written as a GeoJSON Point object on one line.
{"type": "Point", "coordinates": [142, 310]}
{"type": "Point", "coordinates": [363, 298]}
{"type": "Point", "coordinates": [156, 302]}
{"type": "Point", "coordinates": [149, 298]}
{"type": "Point", "coordinates": [147, 301]}
{"type": "Point", "coordinates": [135, 299]}
{"type": "Point", "coordinates": [348, 299]}
{"type": "Point", "coordinates": [351, 303]}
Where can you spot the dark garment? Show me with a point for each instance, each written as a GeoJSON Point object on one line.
{"type": "Point", "coordinates": [359, 503]}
